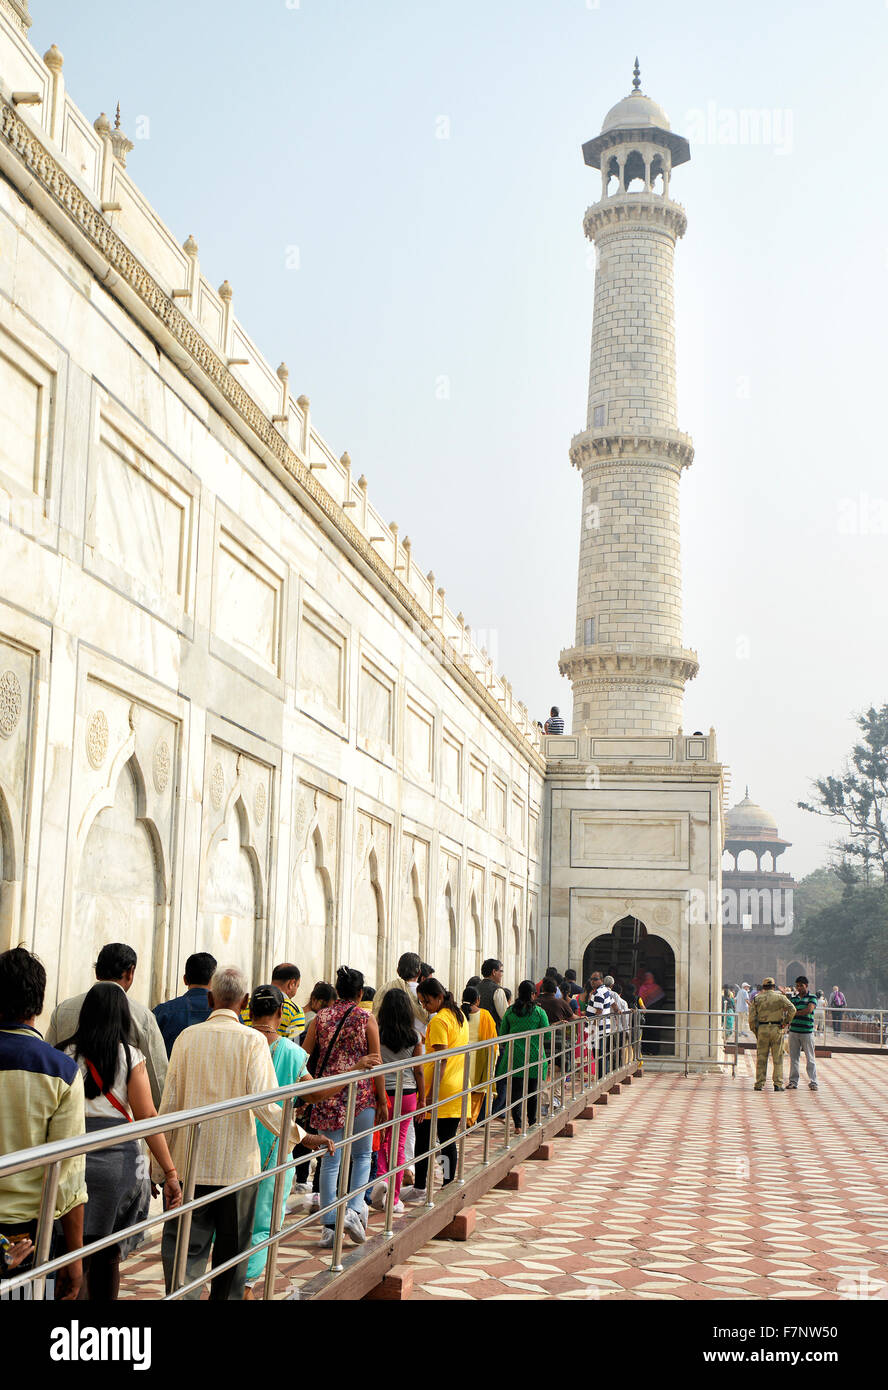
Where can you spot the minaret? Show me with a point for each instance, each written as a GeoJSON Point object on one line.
{"type": "Point", "coordinates": [628, 667]}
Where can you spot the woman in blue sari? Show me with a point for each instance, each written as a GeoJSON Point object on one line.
{"type": "Point", "coordinates": [290, 1063]}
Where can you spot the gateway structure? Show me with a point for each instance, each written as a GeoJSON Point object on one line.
{"type": "Point", "coordinates": [635, 803]}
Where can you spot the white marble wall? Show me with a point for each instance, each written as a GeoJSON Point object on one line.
{"type": "Point", "coordinates": [222, 725]}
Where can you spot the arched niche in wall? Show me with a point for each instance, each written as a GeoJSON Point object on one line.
{"type": "Point", "coordinates": [313, 913]}
{"type": "Point", "coordinates": [119, 889]}
{"type": "Point", "coordinates": [367, 934]}
{"type": "Point", "coordinates": [232, 910]}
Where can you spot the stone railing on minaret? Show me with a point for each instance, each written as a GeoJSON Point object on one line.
{"type": "Point", "coordinates": [628, 667]}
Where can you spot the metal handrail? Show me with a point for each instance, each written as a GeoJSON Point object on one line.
{"type": "Point", "coordinates": [557, 1048]}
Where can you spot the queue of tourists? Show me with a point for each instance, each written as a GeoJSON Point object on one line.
{"type": "Point", "coordinates": [106, 1060]}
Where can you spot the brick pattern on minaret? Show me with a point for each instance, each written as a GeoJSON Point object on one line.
{"type": "Point", "coordinates": [629, 678]}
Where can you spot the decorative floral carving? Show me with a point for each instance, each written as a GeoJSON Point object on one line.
{"type": "Point", "coordinates": [331, 830]}
{"type": "Point", "coordinates": [663, 914]}
{"type": "Point", "coordinates": [260, 803]}
{"type": "Point", "coordinates": [161, 765]}
{"type": "Point", "coordinates": [595, 913]}
{"type": "Point", "coordinates": [10, 702]}
{"type": "Point", "coordinates": [217, 787]}
{"type": "Point", "coordinates": [97, 738]}
{"type": "Point", "coordinates": [301, 816]}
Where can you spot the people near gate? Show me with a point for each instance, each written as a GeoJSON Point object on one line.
{"type": "Point", "coordinates": [820, 1015]}
{"type": "Point", "coordinates": [741, 1009]}
{"type": "Point", "coordinates": [115, 1084]}
{"type": "Point", "coordinates": [398, 1042]}
{"type": "Point", "coordinates": [600, 1008]}
{"type": "Point", "coordinates": [42, 1100]}
{"type": "Point", "coordinates": [347, 1036]}
{"type": "Point", "coordinates": [174, 1015]}
{"type": "Point", "coordinates": [557, 1010]}
{"type": "Point", "coordinates": [801, 1035]}
{"type": "Point", "coordinates": [836, 1005]}
{"type": "Point", "coordinates": [483, 1064]}
{"type": "Point", "coordinates": [729, 1012]}
{"type": "Point", "coordinates": [116, 964]}
{"type": "Point", "coordinates": [769, 1014]}
{"type": "Point", "coordinates": [523, 1024]}
{"type": "Point", "coordinates": [447, 1029]}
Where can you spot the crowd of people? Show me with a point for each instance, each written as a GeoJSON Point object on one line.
{"type": "Point", "coordinates": [107, 1059]}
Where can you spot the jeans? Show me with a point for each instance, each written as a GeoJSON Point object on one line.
{"type": "Point", "coordinates": [801, 1042]}
{"type": "Point", "coordinates": [361, 1151]}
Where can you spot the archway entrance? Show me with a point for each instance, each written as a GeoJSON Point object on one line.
{"type": "Point", "coordinates": [793, 971]}
{"type": "Point", "coordinates": [643, 965]}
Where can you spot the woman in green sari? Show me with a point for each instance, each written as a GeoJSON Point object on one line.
{"type": "Point", "coordinates": [290, 1062]}
{"type": "Point", "coordinates": [524, 1016]}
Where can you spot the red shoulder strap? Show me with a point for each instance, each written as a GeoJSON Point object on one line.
{"type": "Point", "coordinates": [107, 1094]}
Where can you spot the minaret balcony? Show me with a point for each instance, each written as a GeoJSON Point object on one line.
{"type": "Point", "coordinates": [651, 209]}
{"type": "Point", "coordinates": [626, 661]}
{"type": "Point", "coordinates": [666, 448]}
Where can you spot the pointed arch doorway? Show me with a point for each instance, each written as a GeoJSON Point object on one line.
{"type": "Point", "coordinates": [645, 964]}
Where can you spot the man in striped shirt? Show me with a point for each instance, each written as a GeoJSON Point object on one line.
{"type": "Point", "coordinates": [801, 1035]}
{"type": "Point", "coordinates": [287, 978]}
{"type": "Point", "coordinates": [600, 1009]}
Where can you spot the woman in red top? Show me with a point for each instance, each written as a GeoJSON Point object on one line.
{"type": "Point", "coordinates": [347, 1038]}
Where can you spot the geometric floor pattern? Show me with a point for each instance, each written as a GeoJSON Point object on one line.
{"type": "Point", "coordinates": [694, 1188]}
{"type": "Point", "coordinates": [682, 1188]}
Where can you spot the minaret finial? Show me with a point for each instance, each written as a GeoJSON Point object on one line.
{"type": "Point", "coordinates": [747, 791]}
{"type": "Point", "coordinates": [636, 76]}
{"type": "Point", "coordinates": [117, 116]}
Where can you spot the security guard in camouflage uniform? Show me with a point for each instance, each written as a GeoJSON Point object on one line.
{"type": "Point", "coordinates": [769, 1013]}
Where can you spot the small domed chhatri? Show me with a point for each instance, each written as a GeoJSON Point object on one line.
{"type": "Point", "coordinates": [639, 114]}
{"type": "Point", "coordinates": [748, 817]}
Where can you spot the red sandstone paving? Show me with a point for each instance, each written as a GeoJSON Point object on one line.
{"type": "Point", "coordinates": [682, 1188]}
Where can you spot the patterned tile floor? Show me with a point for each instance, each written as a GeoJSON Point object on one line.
{"type": "Point", "coordinates": [682, 1188]}
{"type": "Point", "coordinates": [694, 1188]}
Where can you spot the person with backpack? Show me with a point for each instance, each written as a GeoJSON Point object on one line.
{"type": "Point", "coordinates": [836, 1003]}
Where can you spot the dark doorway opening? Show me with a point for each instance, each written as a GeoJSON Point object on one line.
{"type": "Point", "coordinates": [643, 965]}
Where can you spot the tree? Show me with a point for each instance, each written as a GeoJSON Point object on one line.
{"type": "Point", "coordinates": [844, 925]}
{"type": "Point", "coordinates": [858, 800]}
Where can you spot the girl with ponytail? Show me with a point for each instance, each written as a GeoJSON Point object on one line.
{"type": "Point", "coordinates": [447, 1029]}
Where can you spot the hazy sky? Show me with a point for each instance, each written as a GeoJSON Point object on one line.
{"type": "Point", "coordinates": [396, 190]}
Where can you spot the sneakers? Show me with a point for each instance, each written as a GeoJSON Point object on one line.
{"type": "Point", "coordinates": [354, 1227]}
{"type": "Point", "coordinates": [377, 1199]}
{"type": "Point", "coordinates": [780, 1090]}
{"type": "Point", "coordinates": [792, 1086]}
{"type": "Point", "coordinates": [313, 1199]}
{"type": "Point", "coordinates": [812, 1086]}
{"type": "Point", "coordinates": [412, 1194]}
{"type": "Point", "coordinates": [399, 1208]}
{"type": "Point", "coordinates": [326, 1241]}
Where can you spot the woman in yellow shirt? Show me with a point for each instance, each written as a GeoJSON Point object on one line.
{"type": "Point", "coordinates": [447, 1028]}
{"type": "Point", "coordinates": [481, 1029]}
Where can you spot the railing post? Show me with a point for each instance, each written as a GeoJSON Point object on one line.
{"type": "Point", "coordinates": [46, 1217]}
{"type": "Point", "coordinates": [342, 1184]}
{"type": "Point", "coordinates": [277, 1202]}
{"type": "Point", "coordinates": [463, 1115]}
{"type": "Point", "coordinates": [433, 1136]}
{"type": "Point", "coordinates": [393, 1154]}
{"type": "Point", "coordinates": [183, 1223]}
{"type": "Point", "coordinates": [490, 1092]}
{"type": "Point", "coordinates": [526, 1080]}
{"type": "Point", "coordinates": [510, 1062]}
